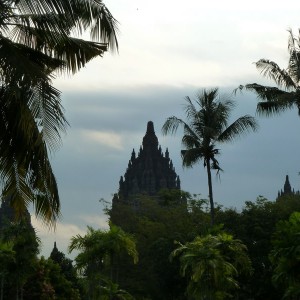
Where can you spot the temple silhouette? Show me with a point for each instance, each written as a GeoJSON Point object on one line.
{"type": "Point", "coordinates": [148, 172]}
{"type": "Point", "coordinates": [287, 189]}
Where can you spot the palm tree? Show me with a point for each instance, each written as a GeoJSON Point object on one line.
{"type": "Point", "coordinates": [98, 249]}
{"type": "Point", "coordinates": [39, 39]}
{"type": "Point", "coordinates": [207, 126]}
{"type": "Point", "coordinates": [274, 100]}
{"type": "Point", "coordinates": [212, 263]}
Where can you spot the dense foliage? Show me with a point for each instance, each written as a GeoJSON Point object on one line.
{"type": "Point", "coordinates": [180, 256]}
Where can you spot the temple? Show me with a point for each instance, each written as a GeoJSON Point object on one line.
{"type": "Point", "coordinates": [148, 172]}
{"type": "Point", "coordinates": [287, 189]}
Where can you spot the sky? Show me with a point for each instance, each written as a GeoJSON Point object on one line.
{"type": "Point", "coordinates": [169, 50]}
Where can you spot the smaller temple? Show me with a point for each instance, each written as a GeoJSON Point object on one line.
{"type": "Point", "coordinates": [287, 189]}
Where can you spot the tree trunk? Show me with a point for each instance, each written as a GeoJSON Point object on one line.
{"type": "Point", "coordinates": [112, 262]}
{"type": "Point", "coordinates": [2, 286]}
{"type": "Point", "coordinates": [21, 292]}
{"type": "Point", "coordinates": [210, 193]}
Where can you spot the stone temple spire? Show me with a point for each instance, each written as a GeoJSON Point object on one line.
{"type": "Point", "coordinates": [287, 189]}
{"type": "Point", "coordinates": [149, 171]}
{"type": "Point", "coordinates": [150, 141]}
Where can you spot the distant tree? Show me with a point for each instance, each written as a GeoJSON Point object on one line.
{"type": "Point", "coordinates": [48, 282]}
{"type": "Point", "coordinates": [39, 39]}
{"type": "Point", "coordinates": [274, 100]}
{"type": "Point", "coordinates": [207, 125]}
{"type": "Point", "coordinates": [285, 256]}
{"type": "Point", "coordinates": [65, 264]}
{"type": "Point", "coordinates": [212, 264]}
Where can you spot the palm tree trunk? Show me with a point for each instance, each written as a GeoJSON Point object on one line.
{"type": "Point", "coordinates": [112, 265]}
{"type": "Point", "coordinates": [2, 286]}
{"type": "Point", "coordinates": [210, 193]}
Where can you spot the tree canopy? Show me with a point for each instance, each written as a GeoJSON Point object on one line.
{"type": "Point", "coordinates": [38, 40]}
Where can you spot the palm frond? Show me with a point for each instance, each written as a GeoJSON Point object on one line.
{"type": "Point", "coordinates": [272, 108]}
{"type": "Point", "coordinates": [46, 108]}
{"type": "Point", "coordinates": [76, 53]}
{"type": "Point", "coordinates": [271, 70]}
{"type": "Point", "coordinates": [24, 165]}
{"type": "Point", "coordinates": [80, 13]}
{"type": "Point", "coordinates": [57, 51]}
{"type": "Point", "coordinates": [215, 163]}
{"type": "Point", "coordinates": [106, 27]}
{"type": "Point", "coordinates": [36, 31]}
{"type": "Point", "coordinates": [239, 127]}
{"type": "Point", "coordinates": [19, 63]}
{"type": "Point", "coordinates": [189, 141]}
{"type": "Point", "coordinates": [207, 97]}
{"type": "Point", "coordinates": [190, 109]}
{"type": "Point", "coordinates": [264, 93]}
{"type": "Point", "coordinates": [171, 125]}
{"type": "Point", "coordinates": [191, 157]}
{"type": "Point", "coordinates": [294, 59]}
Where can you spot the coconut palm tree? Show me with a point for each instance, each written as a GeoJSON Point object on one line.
{"type": "Point", "coordinates": [274, 100]}
{"type": "Point", "coordinates": [205, 128]}
{"type": "Point", "coordinates": [99, 249]}
{"type": "Point", "coordinates": [38, 40]}
{"type": "Point", "coordinates": [212, 263]}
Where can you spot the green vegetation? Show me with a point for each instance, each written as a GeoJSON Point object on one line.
{"type": "Point", "coordinates": [100, 255]}
{"type": "Point", "coordinates": [285, 256]}
{"type": "Point", "coordinates": [164, 249]}
{"type": "Point", "coordinates": [211, 263]}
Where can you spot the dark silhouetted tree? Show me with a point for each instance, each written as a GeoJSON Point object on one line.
{"type": "Point", "coordinates": [206, 126]}
{"type": "Point", "coordinates": [274, 100]}
{"type": "Point", "coordinates": [39, 39]}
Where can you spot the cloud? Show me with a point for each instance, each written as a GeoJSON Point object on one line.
{"type": "Point", "coordinates": [65, 231]}
{"type": "Point", "coordinates": [61, 235]}
{"type": "Point", "coordinates": [97, 221]}
{"type": "Point", "coordinates": [109, 139]}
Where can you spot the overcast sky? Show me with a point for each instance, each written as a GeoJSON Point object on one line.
{"type": "Point", "coordinates": [168, 50]}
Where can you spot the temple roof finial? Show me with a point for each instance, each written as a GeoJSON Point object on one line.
{"type": "Point", "coordinates": [150, 139]}
{"type": "Point", "coordinates": [287, 185]}
{"type": "Point", "coordinates": [150, 127]}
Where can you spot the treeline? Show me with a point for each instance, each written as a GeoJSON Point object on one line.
{"type": "Point", "coordinates": [164, 249]}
